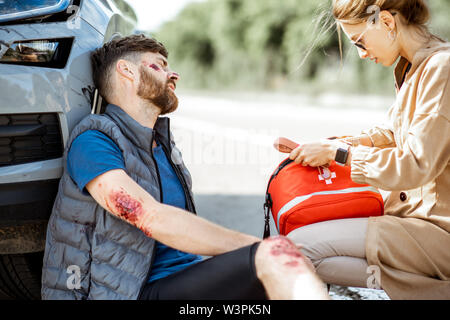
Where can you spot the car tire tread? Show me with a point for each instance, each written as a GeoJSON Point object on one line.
{"type": "Point", "coordinates": [20, 276]}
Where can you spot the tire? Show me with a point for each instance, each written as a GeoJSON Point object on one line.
{"type": "Point", "coordinates": [20, 276]}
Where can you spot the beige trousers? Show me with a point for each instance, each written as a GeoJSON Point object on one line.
{"type": "Point", "coordinates": [337, 250]}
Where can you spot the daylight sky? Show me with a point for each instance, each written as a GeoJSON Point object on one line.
{"type": "Point", "coordinates": [152, 13]}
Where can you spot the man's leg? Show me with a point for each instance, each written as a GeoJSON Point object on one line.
{"type": "Point", "coordinates": [286, 273]}
{"type": "Point", "coordinates": [273, 269]}
{"type": "Point", "coordinates": [230, 276]}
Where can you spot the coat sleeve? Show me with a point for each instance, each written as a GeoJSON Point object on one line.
{"type": "Point", "coordinates": [382, 136]}
{"type": "Point", "coordinates": [425, 151]}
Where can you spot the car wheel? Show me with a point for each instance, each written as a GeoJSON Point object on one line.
{"type": "Point", "coordinates": [20, 276]}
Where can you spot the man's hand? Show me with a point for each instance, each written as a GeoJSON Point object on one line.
{"type": "Point", "coordinates": [117, 193]}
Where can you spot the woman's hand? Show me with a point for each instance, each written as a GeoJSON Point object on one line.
{"type": "Point", "coordinates": [316, 154]}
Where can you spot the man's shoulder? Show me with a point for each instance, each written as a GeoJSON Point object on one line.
{"type": "Point", "coordinates": [93, 141]}
{"type": "Point", "coordinates": [95, 123]}
{"type": "Point", "coordinates": [92, 135]}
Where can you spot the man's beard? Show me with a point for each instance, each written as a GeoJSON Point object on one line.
{"type": "Point", "coordinates": [156, 92]}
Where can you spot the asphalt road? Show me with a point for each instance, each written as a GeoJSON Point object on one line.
{"type": "Point", "coordinates": [227, 144]}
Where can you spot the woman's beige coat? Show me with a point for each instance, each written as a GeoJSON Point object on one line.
{"type": "Point", "coordinates": [411, 161]}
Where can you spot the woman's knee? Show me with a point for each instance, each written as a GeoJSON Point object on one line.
{"type": "Point", "coordinates": [310, 244]}
{"type": "Point", "coordinates": [332, 238]}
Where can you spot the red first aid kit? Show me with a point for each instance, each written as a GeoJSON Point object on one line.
{"type": "Point", "coordinates": [298, 195]}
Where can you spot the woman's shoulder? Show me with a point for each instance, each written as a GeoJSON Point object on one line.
{"type": "Point", "coordinates": [435, 67]}
{"type": "Point", "coordinates": [434, 78]}
{"type": "Point", "coordinates": [439, 57]}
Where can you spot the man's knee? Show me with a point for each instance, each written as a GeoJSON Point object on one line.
{"type": "Point", "coordinates": [281, 250]}
{"type": "Point", "coordinates": [285, 272]}
{"type": "Point", "coordinates": [277, 246]}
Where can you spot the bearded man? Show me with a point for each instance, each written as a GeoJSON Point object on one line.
{"type": "Point", "coordinates": [124, 224]}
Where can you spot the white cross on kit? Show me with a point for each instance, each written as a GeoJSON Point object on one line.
{"type": "Point", "coordinates": [326, 175]}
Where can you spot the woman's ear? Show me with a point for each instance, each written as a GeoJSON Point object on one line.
{"type": "Point", "coordinates": [387, 19]}
{"type": "Point", "coordinates": [125, 69]}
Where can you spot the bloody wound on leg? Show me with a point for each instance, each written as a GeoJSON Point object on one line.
{"type": "Point", "coordinates": [284, 246]}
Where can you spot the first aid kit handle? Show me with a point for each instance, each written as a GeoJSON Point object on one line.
{"type": "Point", "coordinates": [285, 145]}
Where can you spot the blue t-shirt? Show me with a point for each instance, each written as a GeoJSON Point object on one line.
{"type": "Point", "coordinates": [92, 153]}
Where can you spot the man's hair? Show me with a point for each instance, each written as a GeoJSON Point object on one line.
{"type": "Point", "coordinates": [104, 59]}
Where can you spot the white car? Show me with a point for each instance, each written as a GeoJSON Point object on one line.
{"type": "Point", "coordinates": [46, 88]}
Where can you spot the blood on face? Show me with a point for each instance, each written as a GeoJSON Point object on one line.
{"type": "Point", "coordinates": [152, 66]}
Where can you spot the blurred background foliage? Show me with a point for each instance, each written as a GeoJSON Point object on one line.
{"type": "Point", "coordinates": [288, 45]}
{"type": "Point", "coordinates": [128, 11]}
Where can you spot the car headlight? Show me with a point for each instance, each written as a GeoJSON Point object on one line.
{"type": "Point", "coordinates": [44, 53]}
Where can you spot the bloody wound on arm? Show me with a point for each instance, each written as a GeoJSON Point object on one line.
{"type": "Point", "coordinates": [121, 204]}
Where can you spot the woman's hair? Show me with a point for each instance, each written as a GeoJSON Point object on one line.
{"type": "Point", "coordinates": [412, 12]}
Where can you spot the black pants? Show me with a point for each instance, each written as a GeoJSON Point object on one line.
{"type": "Point", "coordinates": [230, 276]}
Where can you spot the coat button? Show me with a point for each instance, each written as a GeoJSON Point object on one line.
{"type": "Point", "coordinates": [403, 196]}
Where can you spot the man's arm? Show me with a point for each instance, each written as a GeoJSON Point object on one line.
{"type": "Point", "coordinates": [117, 193]}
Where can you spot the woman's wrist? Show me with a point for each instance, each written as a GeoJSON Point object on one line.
{"type": "Point", "coordinates": [362, 140]}
{"type": "Point", "coordinates": [349, 158]}
{"type": "Point", "coordinates": [334, 147]}
{"type": "Point", "coordinates": [365, 140]}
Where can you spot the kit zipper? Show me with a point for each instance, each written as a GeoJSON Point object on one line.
{"type": "Point", "coordinates": [268, 200]}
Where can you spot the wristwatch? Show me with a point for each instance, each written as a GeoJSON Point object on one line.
{"type": "Point", "coordinates": [342, 156]}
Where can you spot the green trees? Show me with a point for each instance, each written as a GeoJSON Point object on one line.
{"type": "Point", "coordinates": [272, 44]}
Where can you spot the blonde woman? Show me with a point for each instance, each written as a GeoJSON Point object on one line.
{"type": "Point", "coordinates": [406, 252]}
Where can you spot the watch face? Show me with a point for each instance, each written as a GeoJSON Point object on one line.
{"type": "Point", "coordinates": [341, 156]}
